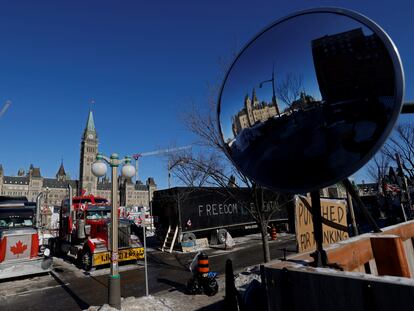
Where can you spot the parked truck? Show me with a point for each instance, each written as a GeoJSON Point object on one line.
{"type": "Point", "coordinates": [20, 251]}
{"type": "Point", "coordinates": [185, 213]}
{"type": "Point", "coordinates": [84, 233]}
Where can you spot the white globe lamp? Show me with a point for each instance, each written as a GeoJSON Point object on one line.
{"type": "Point", "coordinates": [128, 170]}
{"type": "Point", "coordinates": [99, 168]}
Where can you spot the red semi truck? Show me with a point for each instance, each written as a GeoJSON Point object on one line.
{"type": "Point", "coordinates": [83, 233]}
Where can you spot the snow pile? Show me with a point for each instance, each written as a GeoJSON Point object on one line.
{"type": "Point", "coordinates": [146, 303]}
{"type": "Point", "coordinates": [229, 241]}
{"type": "Point", "coordinates": [169, 301]}
{"type": "Point", "coordinates": [243, 279]}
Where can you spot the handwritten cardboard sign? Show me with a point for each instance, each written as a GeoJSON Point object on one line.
{"type": "Point", "coordinates": [334, 222]}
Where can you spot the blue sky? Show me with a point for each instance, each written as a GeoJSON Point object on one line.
{"type": "Point", "coordinates": [142, 61]}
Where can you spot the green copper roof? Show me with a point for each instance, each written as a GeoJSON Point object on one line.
{"type": "Point", "coordinates": [90, 125]}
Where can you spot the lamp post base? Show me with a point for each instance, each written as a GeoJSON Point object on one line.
{"type": "Point", "coordinates": [114, 291]}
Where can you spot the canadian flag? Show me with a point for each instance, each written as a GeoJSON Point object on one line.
{"type": "Point", "coordinates": [18, 247]}
{"type": "Point", "coordinates": [392, 188]}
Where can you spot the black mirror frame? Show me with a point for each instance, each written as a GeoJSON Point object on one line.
{"type": "Point", "coordinates": [397, 66]}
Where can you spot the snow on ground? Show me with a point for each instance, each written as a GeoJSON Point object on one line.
{"type": "Point", "coordinates": [243, 279]}
{"type": "Point", "coordinates": [167, 301]}
{"type": "Point", "coordinates": [176, 300]}
{"type": "Point", "coordinates": [146, 303]}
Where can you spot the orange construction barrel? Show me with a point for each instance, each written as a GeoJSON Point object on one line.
{"type": "Point", "coordinates": [274, 233]}
{"type": "Point", "coordinates": [203, 266]}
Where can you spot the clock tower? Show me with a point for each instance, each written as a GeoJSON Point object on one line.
{"type": "Point", "coordinates": [88, 151]}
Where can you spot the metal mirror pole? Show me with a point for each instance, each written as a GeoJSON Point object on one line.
{"type": "Point", "coordinates": [352, 212]}
{"type": "Point", "coordinates": [354, 194]}
{"type": "Point", "coordinates": [319, 255]}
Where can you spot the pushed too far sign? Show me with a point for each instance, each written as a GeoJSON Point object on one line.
{"type": "Point", "coordinates": [334, 222]}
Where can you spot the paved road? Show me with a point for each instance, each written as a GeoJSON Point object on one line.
{"type": "Point", "coordinates": [68, 288]}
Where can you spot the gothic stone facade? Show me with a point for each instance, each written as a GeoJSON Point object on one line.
{"type": "Point", "coordinates": [31, 183]}
{"type": "Point", "coordinates": [253, 112]}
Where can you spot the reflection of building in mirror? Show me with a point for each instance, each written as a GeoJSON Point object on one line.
{"type": "Point", "coordinates": [304, 102]}
{"type": "Point", "coordinates": [351, 65]}
{"type": "Point", "coordinates": [253, 112]}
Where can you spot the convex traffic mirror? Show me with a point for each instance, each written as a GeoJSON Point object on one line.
{"type": "Point", "coordinates": [310, 99]}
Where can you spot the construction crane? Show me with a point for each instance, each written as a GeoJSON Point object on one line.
{"type": "Point", "coordinates": [136, 156]}
{"type": "Point", "coordinates": [5, 107]}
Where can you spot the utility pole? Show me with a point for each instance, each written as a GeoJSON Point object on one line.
{"type": "Point", "coordinates": [405, 194]}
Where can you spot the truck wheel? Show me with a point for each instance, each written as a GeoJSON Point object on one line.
{"type": "Point", "coordinates": [189, 236]}
{"type": "Point", "coordinates": [221, 236]}
{"type": "Point", "coordinates": [54, 247]}
{"type": "Point", "coordinates": [86, 260]}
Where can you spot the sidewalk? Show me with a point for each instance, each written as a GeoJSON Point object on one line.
{"type": "Point", "coordinates": [176, 299]}
{"type": "Point", "coordinates": [171, 300]}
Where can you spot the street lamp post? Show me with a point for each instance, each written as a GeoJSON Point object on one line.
{"type": "Point", "coordinates": [99, 169]}
{"type": "Point", "coordinates": [273, 90]}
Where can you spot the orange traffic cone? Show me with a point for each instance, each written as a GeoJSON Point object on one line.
{"type": "Point", "coordinates": [274, 234]}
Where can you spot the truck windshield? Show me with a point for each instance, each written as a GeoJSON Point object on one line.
{"type": "Point", "coordinates": [15, 222]}
{"type": "Point", "coordinates": [101, 201]}
{"type": "Point", "coordinates": [103, 214]}
{"type": "Point", "coordinates": [83, 200]}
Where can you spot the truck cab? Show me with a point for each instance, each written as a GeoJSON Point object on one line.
{"type": "Point", "coordinates": [84, 233]}
{"type": "Point", "coordinates": [20, 252]}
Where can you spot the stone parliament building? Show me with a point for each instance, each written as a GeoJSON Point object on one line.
{"type": "Point", "coordinates": [253, 112]}
{"type": "Point", "coordinates": [31, 183]}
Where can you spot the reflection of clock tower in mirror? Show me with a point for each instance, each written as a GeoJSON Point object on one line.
{"type": "Point", "coordinates": [89, 149]}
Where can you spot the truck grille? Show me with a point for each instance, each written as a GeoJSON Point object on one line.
{"type": "Point", "coordinates": [124, 233]}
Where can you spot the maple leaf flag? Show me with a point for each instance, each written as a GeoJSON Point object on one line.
{"type": "Point", "coordinates": [18, 248]}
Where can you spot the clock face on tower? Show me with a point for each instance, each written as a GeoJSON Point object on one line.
{"type": "Point", "coordinates": [90, 136]}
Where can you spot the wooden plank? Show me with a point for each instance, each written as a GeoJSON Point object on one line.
{"type": "Point", "coordinates": [409, 251]}
{"type": "Point", "coordinates": [403, 230]}
{"type": "Point", "coordinates": [166, 238]}
{"type": "Point", "coordinates": [390, 255]}
{"type": "Point", "coordinates": [173, 240]}
{"type": "Point", "coordinates": [351, 256]}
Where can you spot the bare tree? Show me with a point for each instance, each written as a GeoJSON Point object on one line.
{"type": "Point", "coordinates": [289, 89]}
{"type": "Point", "coordinates": [182, 166]}
{"type": "Point", "coordinates": [378, 167]}
{"type": "Point", "coordinates": [402, 142]}
{"type": "Point", "coordinates": [216, 170]}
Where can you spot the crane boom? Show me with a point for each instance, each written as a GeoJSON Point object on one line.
{"type": "Point", "coordinates": [161, 151]}
{"type": "Point", "coordinates": [136, 156]}
{"type": "Point", "coordinates": [5, 107]}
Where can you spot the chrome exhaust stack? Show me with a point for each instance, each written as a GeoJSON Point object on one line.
{"type": "Point", "coordinates": [38, 200]}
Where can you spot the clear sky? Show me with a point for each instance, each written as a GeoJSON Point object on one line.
{"type": "Point", "coordinates": [141, 61]}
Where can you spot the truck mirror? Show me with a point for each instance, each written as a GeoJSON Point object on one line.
{"type": "Point", "coordinates": [87, 230]}
{"type": "Point", "coordinates": [310, 99]}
